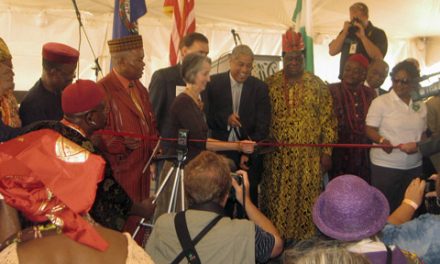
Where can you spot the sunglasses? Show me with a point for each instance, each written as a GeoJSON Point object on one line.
{"type": "Point", "coordinates": [401, 81]}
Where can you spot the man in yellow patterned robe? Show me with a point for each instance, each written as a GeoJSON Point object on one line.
{"type": "Point", "coordinates": [8, 103]}
{"type": "Point", "coordinates": [302, 113]}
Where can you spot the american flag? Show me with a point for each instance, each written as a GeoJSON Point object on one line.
{"type": "Point", "coordinates": [184, 23]}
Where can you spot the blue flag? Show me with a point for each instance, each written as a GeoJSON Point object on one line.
{"type": "Point", "coordinates": [125, 17]}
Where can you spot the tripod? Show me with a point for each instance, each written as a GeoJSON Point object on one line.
{"type": "Point", "coordinates": [178, 180]}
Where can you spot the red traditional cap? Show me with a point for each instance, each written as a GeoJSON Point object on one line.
{"type": "Point", "coordinates": [60, 53]}
{"type": "Point", "coordinates": [131, 42]}
{"type": "Point", "coordinates": [292, 41]}
{"type": "Point", "coordinates": [42, 173]}
{"type": "Point", "coordinates": [81, 96]}
{"type": "Point", "coordinates": [363, 61]}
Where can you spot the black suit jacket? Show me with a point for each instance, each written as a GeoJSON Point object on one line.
{"type": "Point", "coordinates": [430, 146]}
{"type": "Point", "coordinates": [162, 91]}
{"type": "Point", "coordinates": [7, 132]}
{"type": "Point", "coordinates": [254, 111]}
{"type": "Point", "coordinates": [382, 91]}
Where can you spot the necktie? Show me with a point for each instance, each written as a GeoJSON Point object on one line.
{"type": "Point", "coordinates": [135, 98]}
{"type": "Point", "coordinates": [236, 95]}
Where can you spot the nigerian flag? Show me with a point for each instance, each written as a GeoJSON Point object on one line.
{"type": "Point", "coordinates": [302, 17]}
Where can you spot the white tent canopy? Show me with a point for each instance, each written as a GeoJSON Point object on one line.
{"type": "Point", "coordinates": [412, 27]}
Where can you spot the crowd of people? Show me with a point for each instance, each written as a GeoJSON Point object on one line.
{"type": "Point", "coordinates": [77, 158]}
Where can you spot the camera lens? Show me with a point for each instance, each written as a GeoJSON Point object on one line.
{"type": "Point", "coordinates": [431, 203]}
{"type": "Point", "coordinates": [430, 186]}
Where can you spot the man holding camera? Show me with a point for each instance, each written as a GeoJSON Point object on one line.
{"type": "Point", "coordinates": [222, 240]}
{"type": "Point", "coordinates": [359, 36]}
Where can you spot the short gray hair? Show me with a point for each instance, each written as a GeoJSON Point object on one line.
{"type": "Point", "coordinates": [241, 50]}
{"type": "Point", "coordinates": [191, 65]}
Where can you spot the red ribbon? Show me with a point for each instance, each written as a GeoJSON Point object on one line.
{"type": "Point", "coordinates": [265, 144]}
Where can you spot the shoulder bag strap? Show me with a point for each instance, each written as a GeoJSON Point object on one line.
{"type": "Point", "coordinates": [188, 246]}
{"type": "Point", "coordinates": [389, 255]}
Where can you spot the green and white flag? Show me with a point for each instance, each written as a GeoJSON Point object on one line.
{"type": "Point", "coordinates": [302, 17]}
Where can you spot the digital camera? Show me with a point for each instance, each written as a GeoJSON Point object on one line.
{"type": "Point", "coordinates": [353, 29]}
{"type": "Point", "coordinates": [432, 204]}
{"type": "Point", "coordinates": [239, 179]}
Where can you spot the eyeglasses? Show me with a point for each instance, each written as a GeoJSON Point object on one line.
{"type": "Point", "coordinates": [401, 81]}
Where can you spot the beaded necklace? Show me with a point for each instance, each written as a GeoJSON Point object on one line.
{"type": "Point", "coordinates": [350, 108]}
{"type": "Point", "coordinates": [195, 97]}
{"type": "Point", "coordinates": [292, 93]}
{"type": "Point", "coordinates": [38, 231]}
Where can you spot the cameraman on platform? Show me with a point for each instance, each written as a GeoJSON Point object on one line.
{"type": "Point", "coordinates": [359, 36]}
{"type": "Point", "coordinates": [207, 186]}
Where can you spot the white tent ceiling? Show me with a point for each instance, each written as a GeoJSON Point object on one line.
{"type": "Point", "coordinates": [399, 18]}
{"type": "Point", "coordinates": [409, 24]}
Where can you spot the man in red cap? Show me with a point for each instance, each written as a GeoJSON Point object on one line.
{"type": "Point", "coordinates": [301, 113]}
{"type": "Point", "coordinates": [43, 102]}
{"type": "Point", "coordinates": [130, 111]}
{"type": "Point", "coordinates": [64, 191]}
{"type": "Point", "coordinates": [85, 111]}
{"type": "Point", "coordinates": [351, 100]}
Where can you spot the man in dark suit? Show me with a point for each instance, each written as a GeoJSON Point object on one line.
{"type": "Point", "coordinates": [427, 147]}
{"type": "Point", "coordinates": [167, 83]}
{"type": "Point", "coordinates": [239, 108]}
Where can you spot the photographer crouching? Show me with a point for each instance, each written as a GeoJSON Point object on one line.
{"type": "Point", "coordinates": [202, 234]}
{"type": "Point", "coordinates": [420, 235]}
{"type": "Point", "coordinates": [359, 36]}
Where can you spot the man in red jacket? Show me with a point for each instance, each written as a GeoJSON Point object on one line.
{"type": "Point", "coordinates": [130, 111]}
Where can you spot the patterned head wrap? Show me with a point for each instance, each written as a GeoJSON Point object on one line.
{"type": "Point", "coordinates": [131, 42]}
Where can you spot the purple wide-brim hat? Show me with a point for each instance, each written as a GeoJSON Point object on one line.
{"type": "Point", "coordinates": [350, 209]}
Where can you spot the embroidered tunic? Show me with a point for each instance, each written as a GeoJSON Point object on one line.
{"type": "Point", "coordinates": [292, 176]}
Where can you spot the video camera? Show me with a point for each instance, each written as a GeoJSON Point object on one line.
{"type": "Point", "coordinates": [182, 144]}
{"type": "Point", "coordinates": [432, 204]}
{"type": "Point", "coordinates": [422, 93]}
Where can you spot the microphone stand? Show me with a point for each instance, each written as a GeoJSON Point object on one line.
{"type": "Point", "coordinates": [97, 67]}
{"type": "Point", "coordinates": [235, 36]}
{"type": "Point", "coordinates": [238, 37]}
